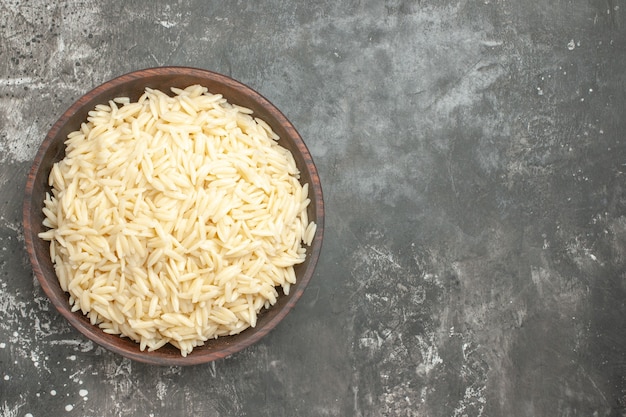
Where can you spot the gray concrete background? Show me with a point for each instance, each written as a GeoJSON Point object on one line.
{"type": "Point", "coordinates": [473, 161]}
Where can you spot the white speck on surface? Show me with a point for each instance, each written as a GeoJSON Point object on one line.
{"type": "Point", "coordinates": [72, 357]}
{"type": "Point", "coordinates": [3, 345]}
{"type": "Point", "coordinates": [69, 407]}
{"type": "Point", "coordinates": [6, 377]}
{"type": "Point", "coordinates": [464, 349]}
{"type": "Point", "coordinates": [571, 45]}
{"type": "Point", "coordinates": [430, 355]}
{"type": "Point", "coordinates": [161, 390]}
{"type": "Point", "coordinates": [53, 392]}
{"type": "Point", "coordinates": [83, 392]}
{"type": "Point", "coordinates": [166, 24]}
{"type": "Point", "coordinates": [28, 415]}
{"type": "Point", "coordinates": [491, 43]}
{"type": "Point", "coordinates": [34, 356]}
{"type": "Point", "coordinates": [474, 399]}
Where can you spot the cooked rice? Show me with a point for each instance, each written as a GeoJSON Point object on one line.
{"type": "Point", "coordinates": [174, 219]}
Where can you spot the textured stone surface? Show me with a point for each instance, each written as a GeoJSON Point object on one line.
{"type": "Point", "coordinates": [473, 161]}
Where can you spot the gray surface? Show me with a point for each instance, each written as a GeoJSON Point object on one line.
{"type": "Point", "coordinates": [472, 156]}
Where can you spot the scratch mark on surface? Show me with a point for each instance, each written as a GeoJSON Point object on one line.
{"type": "Point", "coordinates": [595, 386]}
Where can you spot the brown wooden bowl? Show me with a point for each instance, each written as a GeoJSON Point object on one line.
{"type": "Point", "coordinates": [132, 85]}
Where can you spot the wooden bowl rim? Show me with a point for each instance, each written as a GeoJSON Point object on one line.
{"type": "Point", "coordinates": [124, 346]}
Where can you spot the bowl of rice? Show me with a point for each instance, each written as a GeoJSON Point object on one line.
{"type": "Point", "coordinates": [173, 215]}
